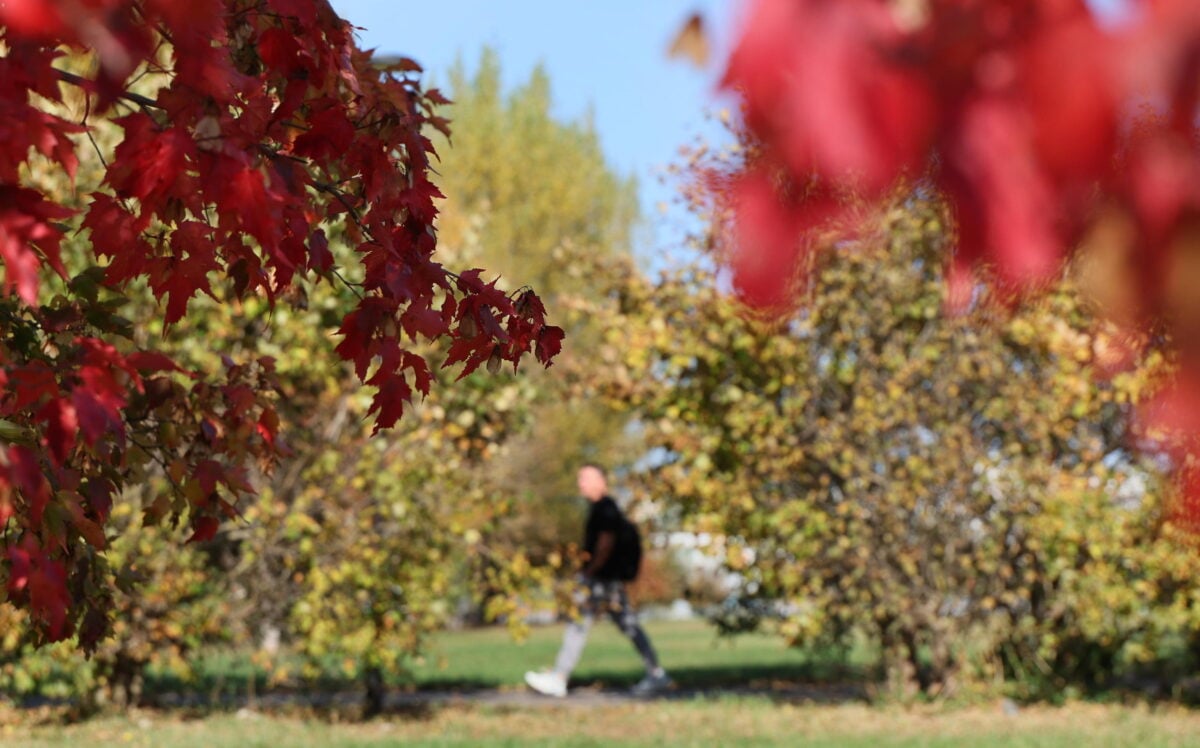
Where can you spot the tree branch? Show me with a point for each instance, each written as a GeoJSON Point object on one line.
{"type": "Point", "coordinates": [86, 84]}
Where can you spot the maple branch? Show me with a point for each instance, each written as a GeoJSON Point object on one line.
{"type": "Point", "coordinates": [85, 83]}
{"type": "Point", "coordinates": [347, 283]}
{"type": "Point", "coordinates": [330, 189]}
{"type": "Point", "coordinates": [160, 460]}
{"type": "Point", "coordinates": [87, 112]}
{"type": "Point", "coordinates": [96, 147]}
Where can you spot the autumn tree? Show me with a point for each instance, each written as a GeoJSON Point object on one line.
{"type": "Point", "coordinates": [167, 606]}
{"type": "Point", "coordinates": [940, 483]}
{"type": "Point", "coordinates": [352, 550]}
{"type": "Point", "coordinates": [356, 547]}
{"type": "Point", "coordinates": [164, 601]}
{"type": "Point", "coordinates": [249, 131]}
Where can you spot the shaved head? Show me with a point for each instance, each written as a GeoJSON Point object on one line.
{"type": "Point", "coordinates": [592, 483]}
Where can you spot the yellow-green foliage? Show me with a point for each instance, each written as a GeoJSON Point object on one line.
{"type": "Point", "coordinates": [168, 607]}
{"type": "Point", "coordinates": [960, 487]}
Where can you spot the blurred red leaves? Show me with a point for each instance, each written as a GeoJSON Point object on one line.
{"type": "Point", "coordinates": [41, 582]}
{"type": "Point", "coordinates": [1009, 108]}
{"type": "Point", "coordinates": [819, 88]}
{"type": "Point", "coordinates": [1042, 127]}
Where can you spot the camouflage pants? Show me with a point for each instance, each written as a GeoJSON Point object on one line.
{"type": "Point", "coordinates": [603, 597]}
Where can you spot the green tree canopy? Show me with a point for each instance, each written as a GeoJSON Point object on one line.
{"type": "Point", "coordinates": [877, 465]}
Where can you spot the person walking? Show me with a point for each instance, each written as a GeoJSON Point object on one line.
{"type": "Point", "coordinates": [608, 566]}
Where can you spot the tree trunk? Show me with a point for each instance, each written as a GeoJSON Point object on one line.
{"type": "Point", "coordinates": [375, 692]}
{"type": "Point", "coordinates": [943, 666]}
{"type": "Point", "coordinates": [125, 682]}
{"type": "Point", "coordinates": [899, 669]}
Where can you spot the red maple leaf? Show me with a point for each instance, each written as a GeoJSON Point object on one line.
{"type": "Point", "coordinates": [40, 19]}
{"type": "Point", "coordinates": [48, 595]}
{"type": "Point", "coordinates": [420, 369]}
{"type": "Point", "coordinates": [151, 361]}
{"type": "Point", "coordinates": [117, 234]}
{"type": "Point", "coordinates": [329, 132]}
{"type": "Point", "coordinates": [549, 343]}
{"type": "Point", "coordinates": [28, 475]}
{"type": "Point", "coordinates": [32, 382]}
{"type": "Point", "coordinates": [62, 428]}
{"type": "Point", "coordinates": [149, 161]}
{"type": "Point", "coordinates": [204, 528]}
{"type": "Point", "coordinates": [95, 418]}
{"type": "Point", "coordinates": [388, 403]}
{"type": "Point", "coordinates": [185, 276]}
{"type": "Point", "coordinates": [28, 237]}
{"type": "Point", "coordinates": [819, 83]}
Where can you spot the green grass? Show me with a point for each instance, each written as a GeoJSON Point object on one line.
{"type": "Point", "coordinates": [749, 721]}
{"type": "Point", "coordinates": [691, 651]}
{"type": "Point", "coordinates": [695, 656]}
{"type": "Point", "coordinates": [491, 658]}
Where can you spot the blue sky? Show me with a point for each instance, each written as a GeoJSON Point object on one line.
{"type": "Point", "coordinates": [608, 58]}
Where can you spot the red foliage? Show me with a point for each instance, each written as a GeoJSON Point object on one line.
{"type": "Point", "coordinates": [1029, 116]}
{"type": "Point", "coordinates": [270, 124]}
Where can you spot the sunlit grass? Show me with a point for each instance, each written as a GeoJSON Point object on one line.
{"type": "Point", "coordinates": [748, 721]}
{"type": "Point", "coordinates": [491, 658]}
{"type": "Point", "coordinates": [691, 651]}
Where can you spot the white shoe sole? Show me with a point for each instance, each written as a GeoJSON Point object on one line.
{"type": "Point", "coordinates": [529, 681]}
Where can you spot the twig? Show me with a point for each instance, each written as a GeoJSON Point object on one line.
{"type": "Point", "coordinates": [337, 274]}
{"type": "Point", "coordinates": [87, 112]}
{"type": "Point", "coordinates": [79, 80]}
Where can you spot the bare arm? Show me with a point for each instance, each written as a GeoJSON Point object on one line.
{"type": "Point", "coordinates": [605, 543]}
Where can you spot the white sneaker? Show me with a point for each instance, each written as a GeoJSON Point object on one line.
{"type": "Point", "coordinates": [547, 684]}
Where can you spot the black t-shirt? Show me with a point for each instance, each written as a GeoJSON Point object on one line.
{"type": "Point", "coordinates": [604, 516]}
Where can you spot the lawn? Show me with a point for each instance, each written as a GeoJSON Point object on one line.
{"type": "Point", "coordinates": [697, 659]}
{"type": "Point", "coordinates": [491, 658]}
{"type": "Point", "coordinates": [701, 722]}
{"type": "Point", "coordinates": [691, 651]}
